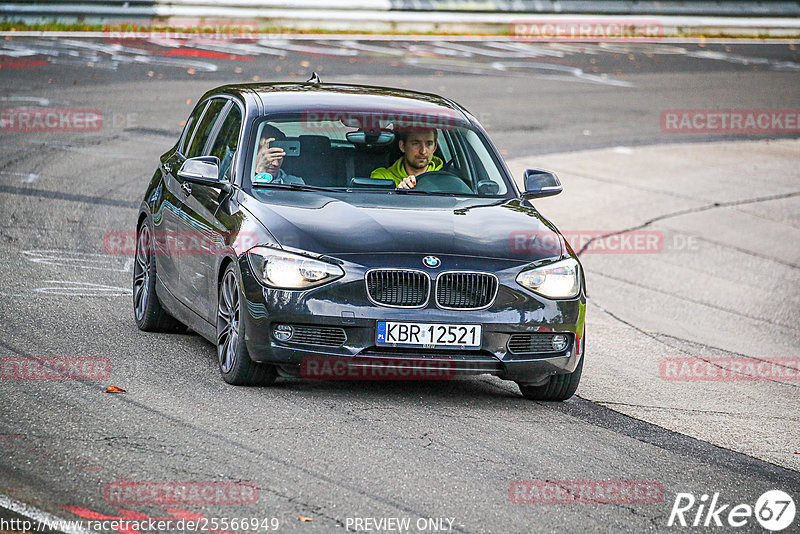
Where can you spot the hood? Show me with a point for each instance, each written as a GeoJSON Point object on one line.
{"type": "Point", "coordinates": [374, 223]}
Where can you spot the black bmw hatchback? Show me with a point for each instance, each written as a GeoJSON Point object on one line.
{"type": "Point", "coordinates": [351, 232]}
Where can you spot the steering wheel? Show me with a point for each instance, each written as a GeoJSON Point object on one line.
{"type": "Point", "coordinates": [441, 182]}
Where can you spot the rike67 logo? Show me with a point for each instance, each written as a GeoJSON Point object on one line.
{"type": "Point", "coordinates": [774, 510]}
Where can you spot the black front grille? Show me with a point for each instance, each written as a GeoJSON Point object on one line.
{"type": "Point", "coordinates": [535, 343]}
{"type": "Point", "coordinates": [407, 289]}
{"type": "Point", "coordinates": [465, 290]}
{"type": "Point", "coordinates": [318, 335]}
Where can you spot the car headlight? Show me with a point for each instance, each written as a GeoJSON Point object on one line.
{"type": "Point", "coordinates": [557, 280]}
{"type": "Point", "coordinates": [284, 270]}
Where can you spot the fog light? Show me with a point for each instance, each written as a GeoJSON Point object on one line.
{"type": "Point", "coordinates": [283, 332]}
{"type": "Point", "coordinates": [559, 342]}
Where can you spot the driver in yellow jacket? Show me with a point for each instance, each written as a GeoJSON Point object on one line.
{"type": "Point", "coordinates": [417, 149]}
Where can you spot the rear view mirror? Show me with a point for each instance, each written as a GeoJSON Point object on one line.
{"type": "Point", "coordinates": [539, 184]}
{"type": "Point", "coordinates": [370, 138]}
{"type": "Point", "coordinates": [488, 187]}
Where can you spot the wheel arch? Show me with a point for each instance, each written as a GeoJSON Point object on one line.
{"type": "Point", "coordinates": [223, 265]}
{"type": "Point", "coordinates": [142, 217]}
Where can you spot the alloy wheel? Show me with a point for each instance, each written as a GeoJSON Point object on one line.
{"type": "Point", "coordinates": [141, 273]}
{"type": "Point", "coordinates": [228, 322]}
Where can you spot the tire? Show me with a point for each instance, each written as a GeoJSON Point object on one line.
{"type": "Point", "coordinates": [558, 387]}
{"type": "Point", "coordinates": [148, 312]}
{"type": "Point", "coordinates": [234, 361]}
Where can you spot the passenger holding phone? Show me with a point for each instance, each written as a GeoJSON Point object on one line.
{"type": "Point", "coordinates": [269, 160]}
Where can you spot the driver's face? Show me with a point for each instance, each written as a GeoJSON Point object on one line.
{"type": "Point", "coordinates": [418, 149]}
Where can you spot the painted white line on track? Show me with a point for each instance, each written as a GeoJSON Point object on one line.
{"type": "Point", "coordinates": [68, 288]}
{"type": "Point", "coordinates": [235, 48]}
{"type": "Point", "coordinates": [30, 99]}
{"type": "Point", "coordinates": [305, 49]}
{"type": "Point", "coordinates": [744, 60]}
{"type": "Point", "coordinates": [578, 74]}
{"type": "Point", "coordinates": [496, 53]}
{"type": "Point", "coordinates": [435, 50]}
{"type": "Point", "coordinates": [31, 512]}
{"type": "Point", "coordinates": [26, 177]}
{"type": "Point", "coordinates": [527, 49]}
{"type": "Point", "coordinates": [83, 260]}
{"type": "Point", "coordinates": [389, 51]}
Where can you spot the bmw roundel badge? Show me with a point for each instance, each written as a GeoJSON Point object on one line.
{"type": "Point", "coordinates": [431, 261]}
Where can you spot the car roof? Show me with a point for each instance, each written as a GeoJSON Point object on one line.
{"type": "Point", "coordinates": [283, 97]}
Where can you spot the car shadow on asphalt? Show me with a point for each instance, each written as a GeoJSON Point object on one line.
{"type": "Point", "coordinates": [460, 389]}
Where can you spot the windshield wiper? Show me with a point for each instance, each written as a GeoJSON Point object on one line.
{"type": "Point", "coordinates": [430, 193]}
{"type": "Point", "coordinates": [408, 192]}
{"type": "Point", "coordinates": [299, 187]}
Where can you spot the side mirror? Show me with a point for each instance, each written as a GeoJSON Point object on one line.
{"type": "Point", "coordinates": [539, 184]}
{"type": "Point", "coordinates": [203, 170]}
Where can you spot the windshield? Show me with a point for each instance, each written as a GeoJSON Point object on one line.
{"type": "Point", "coordinates": [375, 152]}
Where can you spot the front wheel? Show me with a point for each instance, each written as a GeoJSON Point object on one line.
{"type": "Point", "coordinates": [557, 387]}
{"type": "Point", "coordinates": [234, 361]}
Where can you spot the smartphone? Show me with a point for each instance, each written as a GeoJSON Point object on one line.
{"type": "Point", "coordinates": [292, 148]}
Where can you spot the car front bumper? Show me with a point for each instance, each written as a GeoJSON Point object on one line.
{"type": "Point", "coordinates": [339, 323]}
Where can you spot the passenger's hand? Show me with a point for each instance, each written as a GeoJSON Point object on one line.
{"type": "Point", "coordinates": [408, 182]}
{"type": "Point", "coordinates": [267, 154]}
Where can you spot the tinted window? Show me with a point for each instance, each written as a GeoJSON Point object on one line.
{"type": "Point", "coordinates": [205, 127]}
{"type": "Point", "coordinates": [189, 126]}
{"type": "Point", "coordinates": [228, 139]}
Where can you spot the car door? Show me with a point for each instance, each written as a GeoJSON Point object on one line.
{"type": "Point", "coordinates": [166, 217]}
{"type": "Point", "coordinates": [205, 233]}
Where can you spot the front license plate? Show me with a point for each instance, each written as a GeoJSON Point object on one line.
{"type": "Point", "coordinates": [432, 335]}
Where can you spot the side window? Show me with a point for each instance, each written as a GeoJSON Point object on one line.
{"type": "Point", "coordinates": [443, 142]}
{"type": "Point", "coordinates": [205, 127]}
{"type": "Point", "coordinates": [227, 140]}
{"type": "Point", "coordinates": [191, 122]}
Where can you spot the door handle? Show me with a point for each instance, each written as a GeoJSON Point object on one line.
{"type": "Point", "coordinates": [187, 187]}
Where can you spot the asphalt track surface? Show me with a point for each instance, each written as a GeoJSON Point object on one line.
{"type": "Point", "coordinates": [333, 452]}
